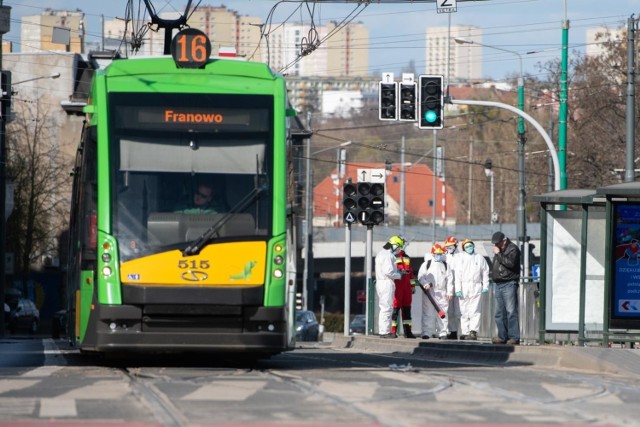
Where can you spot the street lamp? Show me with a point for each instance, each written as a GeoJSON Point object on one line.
{"type": "Point", "coordinates": [521, 217]}
{"type": "Point", "coordinates": [489, 173]}
{"type": "Point", "coordinates": [53, 76]}
{"type": "Point", "coordinates": [307, 279]}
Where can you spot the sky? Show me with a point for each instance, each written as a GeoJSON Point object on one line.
{"type": "Point", "coordinates": [397, 29]}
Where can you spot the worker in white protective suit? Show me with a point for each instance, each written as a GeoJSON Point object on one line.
{"type": "Point", "coordinates": [472, 280]}
{"type": "Point", "coordinates": [453, 313]}
{"type": "Point", "coordinates": [386, 273]}
{"type": "Point", "coordinates": [436, 278]}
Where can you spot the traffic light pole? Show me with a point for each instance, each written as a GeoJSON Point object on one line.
{"type": "Point", "coordinates": [368, 266]}
{"type": "Point", "coordinates": [347, 278]}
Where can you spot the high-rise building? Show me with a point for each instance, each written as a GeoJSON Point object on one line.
{"type": "Point", "coordinates": [464, 60]}
{"type": "Point", "coordinates": [42, 32]}
{"type": "Point", "coordinates": [597, 36]}
{"type": "Point", "coordinates": [327, 50]}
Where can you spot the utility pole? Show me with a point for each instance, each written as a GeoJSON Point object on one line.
{"type": "Point", "coordinates": [630, 173]}
{"type": "Point", "coordinates": [6, 12]}
{"type": "Point", "coordinates": [402, 188]}
{"type": "Point", "coordinates": [562, 120]}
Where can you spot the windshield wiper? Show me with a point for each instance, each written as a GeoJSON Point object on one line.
{"type": "Point", "coordinates": [196, 245]}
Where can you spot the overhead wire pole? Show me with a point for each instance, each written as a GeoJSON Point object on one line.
{"type": "Point", "coordinates": [630, 173]}
{"type": "Point", "coordinates": [3, 182]}
{"type": "Point", "coordinates": [562, 119]}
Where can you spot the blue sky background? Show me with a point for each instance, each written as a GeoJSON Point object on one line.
{"type": "Point", "coordinates": [396, 30]}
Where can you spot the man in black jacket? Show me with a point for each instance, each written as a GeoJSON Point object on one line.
{"type": "Point", "coordinates": [506, 275]}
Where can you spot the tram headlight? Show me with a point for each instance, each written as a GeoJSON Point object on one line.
{"type": "Point", "coordinates": [278, 260]}
{"type": "Point", "coordinates": [277, 273]}
{"type": "Point", "coordinates": [106, 257]}
{"type": "Point", "coordinates": [106, 271]}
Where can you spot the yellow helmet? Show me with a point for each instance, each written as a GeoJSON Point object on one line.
{"type": "Point", "coordinates": [465, 242]}
{"type": "Point", "coordinates": [396, 241]}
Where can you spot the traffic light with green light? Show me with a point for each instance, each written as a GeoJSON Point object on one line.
{"type": "Point", "coordinates": [431, 105]}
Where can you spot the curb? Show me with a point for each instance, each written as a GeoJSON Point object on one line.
{"type": "Point", "coordinates": [598, 360]}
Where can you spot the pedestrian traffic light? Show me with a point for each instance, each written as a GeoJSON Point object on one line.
{"type": "Point", "coordinates": [388, 101]}
{"type": "Point", "coordinates": [349, 203]}
{"type": "Point", "coordinates": [299, 302]}
{"type": "Point", "coordinates": [408, 102]}
{"type": "Point", "coordinates": [370, 203]}
{"type": "Point", "coordinates": [5, 87]}
{"type": "Point", "coordinates": [431, 105]}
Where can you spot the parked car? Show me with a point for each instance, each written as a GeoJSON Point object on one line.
{"type": "Point", "coordinates": [358, 325]}
{"type": "Point", "coordinates": [23, 316]}
{"type": "Point", "coordinates": [307, 327]}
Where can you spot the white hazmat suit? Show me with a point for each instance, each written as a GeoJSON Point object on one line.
{"type": "Point", "coordinates": [472, 278]}
{"type": "Point", "coordinates": [386, 273]}
{"type": "Point", "coordinates": [440, 277]}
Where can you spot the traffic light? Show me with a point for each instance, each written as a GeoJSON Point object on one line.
{"type": "Point", "coordinates": [370, 203]}
{"type": "Point", "coordinates": [349, 202]}
{"type": "Point", "coordinates": [299, 302]}
{"type": "Point", "coordinates": [5, 100]}
{"type": "Point", "coordinates": [408, 102]}
{"type": "Point", "coordinates": [388, 101]}
{"type": "Point", "coordinates": [431, 105]}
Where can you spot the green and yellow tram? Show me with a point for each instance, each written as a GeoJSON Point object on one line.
{"type": "Point", "coordinates": [151, 271]}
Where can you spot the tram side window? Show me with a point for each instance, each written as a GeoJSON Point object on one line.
{"type": "Point", "coordinates": [88, 197]}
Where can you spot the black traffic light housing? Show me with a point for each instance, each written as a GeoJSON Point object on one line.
{"type": "Point", "coordinates": [408, 98]}
{"type": "Point", "coordinates": [5, 87]}
{"type": "Point", "coordinates": [388, 101]}
{"type": "Point", "coordinates": [370, 202]}
{"type": "Point", "coordinates": [431, 103]}
{"type": "Point", "coordinates": [349, 202]}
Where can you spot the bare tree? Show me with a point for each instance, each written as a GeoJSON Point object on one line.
{"type": "Point", "coordinates": [40, 171]}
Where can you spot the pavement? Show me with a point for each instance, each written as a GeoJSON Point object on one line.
{"type": "Point", "coordinates": [619, 361]}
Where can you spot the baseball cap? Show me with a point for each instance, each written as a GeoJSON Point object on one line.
{"type": "Point", "coordinates": [497, 237]}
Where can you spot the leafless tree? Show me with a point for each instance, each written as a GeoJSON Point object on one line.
{"type": "Point", "coordinates": [40, 171]}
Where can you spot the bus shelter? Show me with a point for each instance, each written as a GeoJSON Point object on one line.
{"type": "Point", "coordinates": [622, 267]}
{"type": "Point", "coordinates": [572, 264]}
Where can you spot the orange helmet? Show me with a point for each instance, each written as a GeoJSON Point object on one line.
{"type": "Point", "coordinates": [437, 249]}
{"type": "Point", "coordinates": [450, 241]}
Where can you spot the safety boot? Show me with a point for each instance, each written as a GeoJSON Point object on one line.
{"type": "Point", "coordinates": [394, 329]}
{"type": "Point", "coordinates": [407, 331]}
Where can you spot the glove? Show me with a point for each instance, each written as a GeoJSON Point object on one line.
{"type": "Point", "coordinates": [427, 286]}
{"type": "Point", "coordinates": [459, 294]}
{"type": "Point", "coordinates": [412, 282]}
{"type": "Point", "coordinates": [484, 291]}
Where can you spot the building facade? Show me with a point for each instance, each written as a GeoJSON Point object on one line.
{"type": "Point", "coordinates": [40, 32]}
{"type": "Point", "coordinates": [464, 59]}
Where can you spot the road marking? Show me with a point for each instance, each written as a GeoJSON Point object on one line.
{"type": "Point", "coordinates": [226, 391]}
{"type": "Point", "coordinates": [58, 408]}
{"type": "Point", "coordinates": [17, 406]}
{"type": "Point", "coordinates": [9, 385]}
{"type": "Point", "coordinates": [111, 389]}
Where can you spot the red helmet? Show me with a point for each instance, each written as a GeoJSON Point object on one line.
{"type": "Point", "coordinates": [450, 241]}
{"type": "Point", "coordinates": [437, 249]}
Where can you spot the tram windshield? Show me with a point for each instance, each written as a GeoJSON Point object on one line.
{"type": "Point", "coordinates": [185, 163]}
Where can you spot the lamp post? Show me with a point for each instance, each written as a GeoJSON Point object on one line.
{"type": "Point", "coordinates": [307, 279]}
{"type": "Point", "coordinates": [489, 173]}
{"type": "Point", "coordinates": [3, 181]}
{"type": "Point", "coordinates": [521, 217]}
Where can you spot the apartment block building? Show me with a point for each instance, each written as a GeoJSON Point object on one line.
{"type": "Point", "coordinates": [42, 32]}
{"type": "Point", "coordinates": [464, 59]}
